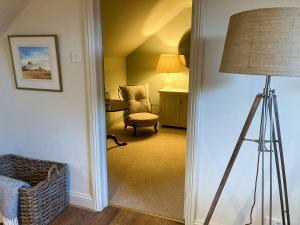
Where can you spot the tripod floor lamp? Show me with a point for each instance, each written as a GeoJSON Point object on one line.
{"type": "Point", "coordinates": [263, 42]}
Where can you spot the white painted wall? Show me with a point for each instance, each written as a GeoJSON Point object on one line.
{"type": "Point", "coordinates": [115, 75]}
{"type": "Point", "coordinates": [226, 102]}
{"type": "Point", "coordinates": [47, 125]}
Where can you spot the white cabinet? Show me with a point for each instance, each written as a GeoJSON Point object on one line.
{"type": "Point", "coordinates": [174, 104]}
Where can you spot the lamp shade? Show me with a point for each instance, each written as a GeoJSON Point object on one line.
{"type": "Point", "coordinates": [169, 63]}
{"type": "Point", "coordinates": [263, 42]}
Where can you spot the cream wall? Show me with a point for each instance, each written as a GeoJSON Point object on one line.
{"type": "Point", "coordinates": [141, 63]}
{"type": "Point", "coordinates": [48, 125]}
{"type": "Point", "coordinates": [226, 101]}
{"type": "Point", "coordinates": [115, 75]}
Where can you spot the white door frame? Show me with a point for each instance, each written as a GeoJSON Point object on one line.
{"type": "Point", "coordinates": [96, 102]}
{"type": "Point", "coordinates": [96, 107]}
{"type": "Point", "coordinates": [193, 128]}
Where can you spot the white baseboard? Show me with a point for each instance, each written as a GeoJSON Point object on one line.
{"type": "Point", "coordinates": [82, 200]}
{"type": "Point", "coordinates": [198, 222]}
{"type": "Point", "coordinates": [201, 222]}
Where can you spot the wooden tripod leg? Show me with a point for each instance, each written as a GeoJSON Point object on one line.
{"type": "Point", "coordinates": [233, 157]}
{"type": "Point", "coordinates": [281, 158]}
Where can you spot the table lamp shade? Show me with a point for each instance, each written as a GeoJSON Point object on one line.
{"type": "Point", "coordinates": [169, 63]}
{"type": "Point", "coordinates": [263, 42]}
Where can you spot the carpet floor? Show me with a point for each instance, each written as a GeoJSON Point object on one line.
{"type": "Point", "coordinates": [148, 174]}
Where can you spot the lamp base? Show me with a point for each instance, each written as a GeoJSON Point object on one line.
{"type": "Point", "coordinates": [271, 146]}
{"type": "Point", "coordinates": [169, 81]}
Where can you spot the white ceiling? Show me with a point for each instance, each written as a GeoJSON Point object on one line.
{"type": "Point", "coordinates": [9, 9]}
{"type": "Point", "coordinates": [167, 39]}
{"type": "Point", "coordinates": [127, 24]}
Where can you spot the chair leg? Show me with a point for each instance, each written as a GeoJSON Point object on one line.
{"type": "Point", "coordinates": [134, 130]}
{"type": "Point", "coordinates": [155, 128]}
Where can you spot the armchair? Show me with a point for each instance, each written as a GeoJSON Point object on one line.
{"type": "Point", "coordinates": [140, 112]}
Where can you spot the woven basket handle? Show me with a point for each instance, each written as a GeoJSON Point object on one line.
{"type": "Point", "coordinates": [51, 170]}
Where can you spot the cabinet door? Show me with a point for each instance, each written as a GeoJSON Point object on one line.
{"type": "Point", "coordinates": [183, 110]}
{"type": "Point", "coordinates": [172, 110]}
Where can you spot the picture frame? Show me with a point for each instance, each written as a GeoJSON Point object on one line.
{"type": "Point", "coordinates": [36, 64]}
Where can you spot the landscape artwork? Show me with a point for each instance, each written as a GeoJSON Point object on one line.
{"type": "Point", "coordinates": [35, 63]}
{"type": "Point", "coordinates": [35, 60]}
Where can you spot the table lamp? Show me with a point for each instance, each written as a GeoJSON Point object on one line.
{"type": "Point", "coordinates": [263, 42]}
{"type": "Point", "coordinates": [170, 63]}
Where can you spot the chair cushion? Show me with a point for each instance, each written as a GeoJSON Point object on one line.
{"type": "Point", "coordinates": [142, 119]}
{"type": "Point", "coordinates": [138, 97]}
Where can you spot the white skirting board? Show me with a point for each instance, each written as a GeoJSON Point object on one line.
{"type": "Point", "coordinates": [82, 200]}
{"type": "Point", "coordinates": [201, 222]}
{"type": "Point", "coordinates": [77, 199]}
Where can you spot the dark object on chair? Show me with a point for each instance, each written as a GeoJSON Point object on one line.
{"type": "Point", "coordinates": [47, 197]}
{"type": "Point", "coordinates": [140, 113]}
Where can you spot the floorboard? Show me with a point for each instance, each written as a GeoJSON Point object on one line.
{"type": "Point", "coordinates": [109, 216]}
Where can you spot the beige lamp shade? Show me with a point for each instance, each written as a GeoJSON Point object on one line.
{"type": "Point", "coordinates": [263, 42]}
{"type": "Point", "coordinates": [169, 63]}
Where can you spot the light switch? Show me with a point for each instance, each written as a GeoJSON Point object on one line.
{"type": "Point", "coordinates": [75, 57]}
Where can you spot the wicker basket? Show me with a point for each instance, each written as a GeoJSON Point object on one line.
{"type": "Point", "coordinates": [47, 197]}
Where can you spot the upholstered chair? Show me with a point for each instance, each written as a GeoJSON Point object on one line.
{"type": "Point", "coordinates": [140, 113]}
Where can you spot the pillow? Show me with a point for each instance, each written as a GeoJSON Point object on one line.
{"type": "Point", "coordinates": [138, 97]}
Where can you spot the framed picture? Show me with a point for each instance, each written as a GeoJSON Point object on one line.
{"type": "Point", "coordinates": [36, 62]}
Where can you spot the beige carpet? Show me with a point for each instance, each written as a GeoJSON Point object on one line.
{"type": "Point", "coordinates": [148, 174]}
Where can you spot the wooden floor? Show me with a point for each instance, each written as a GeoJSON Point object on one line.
{"type": "Point", "coordinates": [110, 216]}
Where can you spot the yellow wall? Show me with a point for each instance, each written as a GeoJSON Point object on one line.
{"type": "Point", "coordinates": [141, 69]}
{"type": "Point", "coordinates": [141, 64]}
{"type": "Point", "coordinates": [115, 75]}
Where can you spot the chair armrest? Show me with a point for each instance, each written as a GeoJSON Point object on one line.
{"type": "Point", "coordinates": [157, 107]}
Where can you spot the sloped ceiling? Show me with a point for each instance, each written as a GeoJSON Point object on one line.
{"type": "Point", "coordinates": [167, 39]}
{"type": "Point", "coordinates": [127, 24]}
{"type": "Point", "coordinates": [9, 9]}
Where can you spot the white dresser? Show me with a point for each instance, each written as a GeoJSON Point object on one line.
{"type": "Point", "coordinates": [174, 105]}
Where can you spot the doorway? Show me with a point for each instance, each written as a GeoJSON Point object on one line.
{"type": "Point", "coordinates": [146, 60]}
{"type": "Point", "coordinates": [97, 111]}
